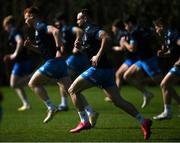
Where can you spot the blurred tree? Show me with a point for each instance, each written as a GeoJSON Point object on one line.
{"type": "Point", "coordinates": [103, 11]}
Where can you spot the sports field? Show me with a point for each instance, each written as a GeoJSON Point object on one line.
{"type": "Point", "coordinates": [113, 124]}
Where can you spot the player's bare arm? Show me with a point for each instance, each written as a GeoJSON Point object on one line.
{"type": "Point", "coordinates": [55, 32]}
{"type": "Point", "coordinates": [104, 38]}
{"type": "Point", "coordinates": [29, 45]}
{"type": "Point", "coordinates": [129, 47]}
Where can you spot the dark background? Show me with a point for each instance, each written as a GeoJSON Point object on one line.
{"type": "Point", "coordinates": [103, 11]}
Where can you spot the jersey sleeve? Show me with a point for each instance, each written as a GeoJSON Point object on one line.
{"type": "Point", "coordinates": [98, 34]}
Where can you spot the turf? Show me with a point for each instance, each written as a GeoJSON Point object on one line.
{"type": "Point", "coordinates": [113, 124]}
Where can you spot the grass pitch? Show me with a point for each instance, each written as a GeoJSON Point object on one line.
{"type": "Point", "coordinates": [113, 124]}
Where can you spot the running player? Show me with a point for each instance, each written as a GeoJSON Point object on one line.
{"type": "Point", "coordinates": [94, 42]}
{"type": "Point", "coordinates": [77, 62]}
{"type": "Point", "coordinates": [140, 41]}
{"type": "Point", "coordinates": [48, 43]}
{"type": "Point", "coordinates": [170, 48]}
{"type": "Point", "coordinates": [22, 63]}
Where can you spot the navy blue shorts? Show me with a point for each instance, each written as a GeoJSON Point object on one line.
{"type": "Point", "coordinates": [150, 66]}
{"type": "Point", "coordinates": [78, 62]}
{"type": "Point", "coordinates": [130, 61]}
{"type": "Point", "coordinates": [22, 68]}
{"type": "Point", "coordinates": [175, 71]}
{"type": "Point", "coordinates": [54, 68]}
{"type": "Point", "coordinates": [100, 77]}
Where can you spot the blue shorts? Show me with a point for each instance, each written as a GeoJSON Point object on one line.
{"type": "Point", "coordinates": [150, 66]}
{"type": "Point", "coordinates": [22, 68]}
{"type": "Point", "coordinates": [175, 71]}
{"type": "Point", "coordinates": [54, 68]}
{"type": "Point", "coordinates": [78, 62]}
{"type": "Point", "coordinates": [130, 61]}
{"type": "Point", "coordinates": [100, 77]}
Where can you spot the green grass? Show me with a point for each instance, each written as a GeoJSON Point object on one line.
{"type": "Point", "coordinates": [113, 124]}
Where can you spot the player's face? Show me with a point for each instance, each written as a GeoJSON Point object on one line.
{"type": "Point", "coordinates": [81, 19]}
{"type": "Point", "coordinates": [114, 29]}
{"type": "Point", "coordinates": [159, 29]}
{"type": "Point", "coordinates": [7, 27]}
{"type": "Point", "coordinates": [128, 26]}
{"type": "Point", "coordinates": [28, 19]}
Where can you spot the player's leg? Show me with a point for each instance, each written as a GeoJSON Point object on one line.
{"type": "Point", "coordinates": [75, 89]}
{"type": "Point", "coordinates": [64, 84]}
{"type": "Point", "coordinates": [63, 106]}
{"type": "Point", "coordinates": [118, 101]}
{"type": "Point", "coordinates": [76, 64]}
{"type": "Point", "coordinates": [15, 82]}
{"type": "Point", "coordinates": [119, 74]}
{"type": "Point", "coordinates": [36, 84]}
{"type": "Point", "coordinates": [135, 75]}
{"type": "Point", "coordinates": [119, 77]}
{"type": "Point", "coordinates": [167, 92]}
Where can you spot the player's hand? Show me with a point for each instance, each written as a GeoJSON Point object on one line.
{"type": "Point", "coordinates": [160, 53]}
{"type": "Point", "coordinates": [122, 40]}
{"type": "Point", "coordinates": [118, 48]}
{"type": "Point", "coordinates": [27, 43]}
{"type": "Point", "coordinates": [75, 50]}
{"type": "Point", "coordinates": [115, 48]}
{"type": "Point", "coordinates": [177, 63]}
{"type": "Point", "coordinates": [7, 59]}
{"type": "Point", "coordinates": [58, 54]}
{"type": "Point", "coordinates": [77, 44]}
{"type": "Point", "coordinates": [95, 60]}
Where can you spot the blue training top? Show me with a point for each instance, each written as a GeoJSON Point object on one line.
{"type": "Point", "coordinates": [68, 37]}
{"type": "Point", "coordinates": [45, 41]}
{"type": "Point", "coordinates": [143, 39]}
{"type": "Point", "coordinates": [91, 42]}
{"type": "Point", "coordinates": [170, 40]}
{"type": "Point", "coordinates": [12, 43]}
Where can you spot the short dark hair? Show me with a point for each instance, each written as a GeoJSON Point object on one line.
{"type": "Point", "coordinates": [130, 18]}
{"type": "Point", "coordinates": [118, 23]}
{"type": "Point", "coordinates": [159, 22]}
{"type": "Point", "coordinates": [32, 10]}
{"type": "Point", "coordinates": [60, 16]}
{"type": "Point", "coordinates": [85, 12]}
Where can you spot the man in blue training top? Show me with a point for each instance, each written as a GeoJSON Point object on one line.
{"type": "Point", "coordinates": [48, 43]}
{"type": "Point", "coordinates": [101, 73]}
{"type": "Point", "coordinates": [170, 47]}
{"type": "Point", "coordinates": [22, 67]}
{"type": "Point", "coordinates": [77, 62]}
{"type": "Point", "coordinates": [140, 42]}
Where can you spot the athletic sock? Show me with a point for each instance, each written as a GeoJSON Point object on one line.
{"type": "Point", "coordinates": [63, 101]}
{"type": "Point", "coordinates": [140, 118]}
{"type": "Point", "coordinates": [49, 104]}
{"type": "Point", "coordinates": [146, 94]}
{"type": "Point", "coordinates": [167, 108]}
{"type": "Point", "coordinates": [89, 110]}
{"type": "Point", "coordinates": [83, 116]}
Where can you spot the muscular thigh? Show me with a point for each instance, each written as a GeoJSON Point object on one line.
{"type": "Point", "coordinates": [80, 84]}
{"type": "Point", "coordinates": [14, 79]}
{"type": "Point", "coordinates": [122, 69]}
{"type": "Point", "coordinates": [38, 78]}
{"type": "Point", "coordinates": [170, 79]}
{"type": "Point", "coordinates": [134, 71]}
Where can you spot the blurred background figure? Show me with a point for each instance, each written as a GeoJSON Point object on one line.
{"type": "Point", "coordinates": [141, 44]}
{"type": "Point", "coordinates": [77, 61]}
{"type": "Point", "coordinates": [169, 47]}
{"type": "Point", "coordinates": [22, 63]}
